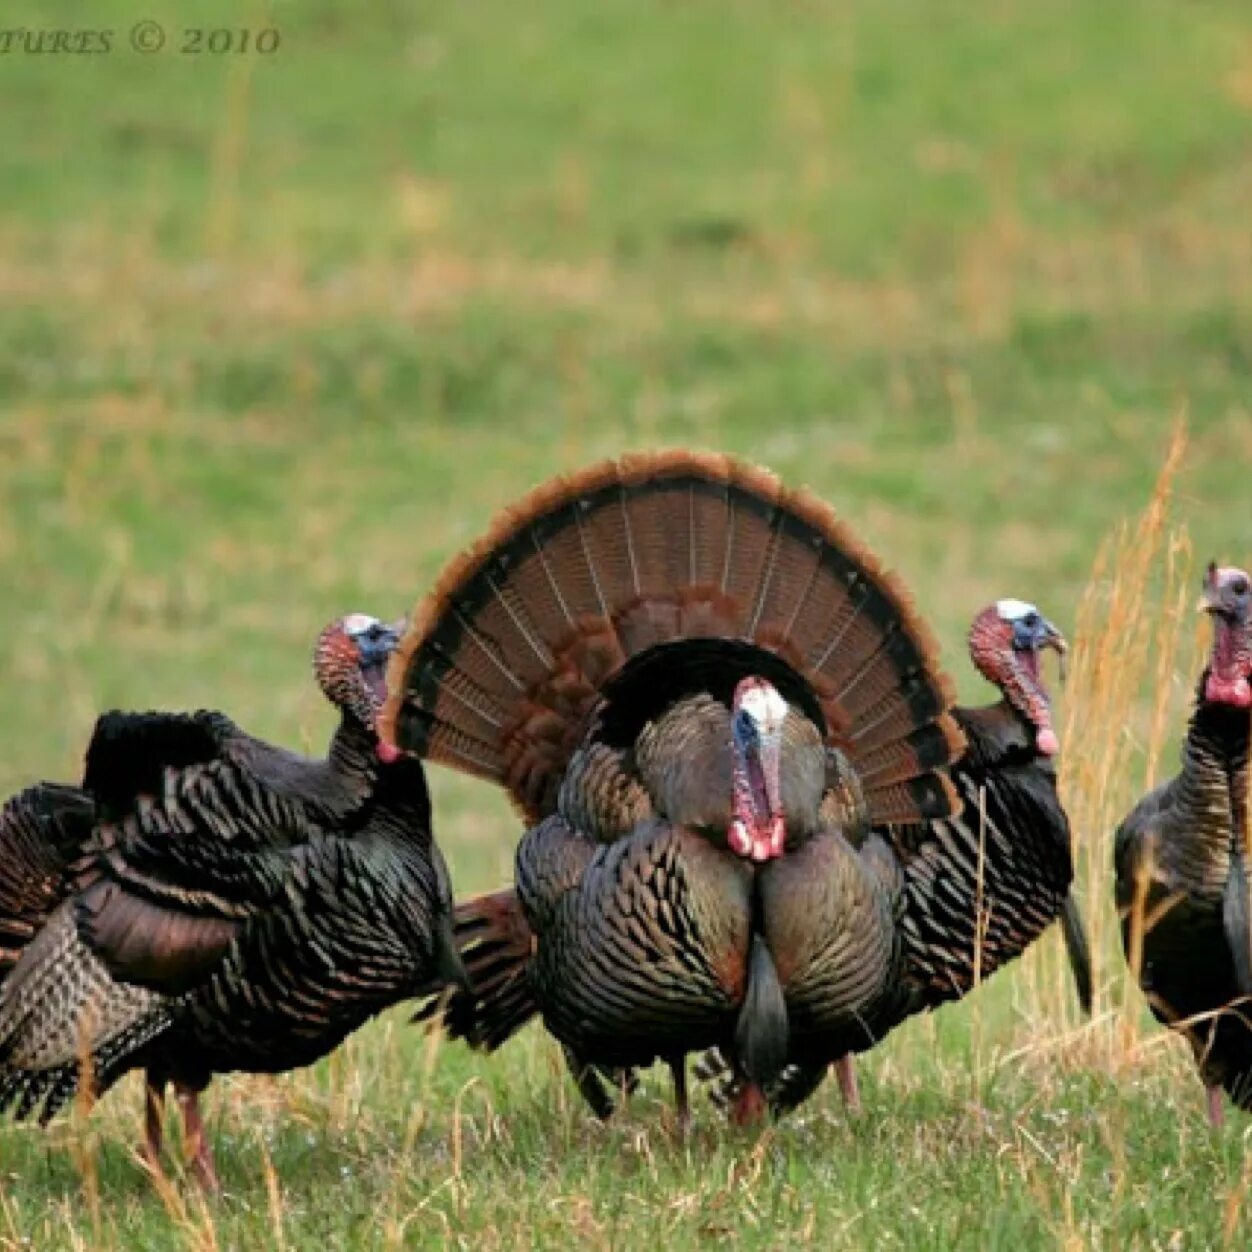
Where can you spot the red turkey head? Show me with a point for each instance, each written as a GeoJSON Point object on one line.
{"type": "Point", "coordinates": [350, 661]}
{"type": "Point", "coordinates": [757, 823]}
{"type": "Point", "coordinates": [1228, 599]}
{"type": "Point", "coordinates": [1004, 644]}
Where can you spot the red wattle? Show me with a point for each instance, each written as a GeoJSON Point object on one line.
{"type": "Point", "coordinates": [1233, 691]}
{"type": "Point", "coordinates": [777, 836]}
{"type": "Point", "coordinates": [1046, 742]}
{"type": "Point", "coordinates": [388, 753]}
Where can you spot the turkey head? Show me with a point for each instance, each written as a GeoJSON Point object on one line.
{"type": "Point", "coordinates": [1004, 643]}
{"type": "Point", "coordinates": [350, 662]}
{"type": "Point", "coordinates": [1227, 599]}
{"type": "Point", "coordinates": [719, 747]}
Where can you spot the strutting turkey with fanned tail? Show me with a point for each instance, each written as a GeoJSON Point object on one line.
{"type": "Point", "coordinates": [1182, 864]}
{"type": "Point", "coordinates": [700, 690]}
{"type": "Point", "coordinates": [207, 902]}
{"type": "Point", "coordinates": [980, 887]}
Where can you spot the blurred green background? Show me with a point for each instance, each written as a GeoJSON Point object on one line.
{"type": "Point", "coordinates": [280, 332]}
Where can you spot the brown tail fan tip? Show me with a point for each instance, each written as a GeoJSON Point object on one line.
{"type": "Point", "coordinates": [505, 659]}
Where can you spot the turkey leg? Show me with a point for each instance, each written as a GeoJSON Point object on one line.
{"type": "Point", "coordinates": [845, 1072]}
{"type": "Point", "coordinates": [153, 1121]}
{"type": "Point", "coordinates": [678, 1067]}
{"type": "Point", "coordinates": [198, 1150]}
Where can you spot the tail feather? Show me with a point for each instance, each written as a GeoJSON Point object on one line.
{"type": "Point", "coordinates": [1078, 950]}
{"type": "Point", "coordinates": [506, 659]}
{"type": "Point", "coordinates": [928, 747]}
{"type": "Point", "coordinates": [43, 1092]}
{"type": "Point", "coordinates": [42, 831]}
{"type": "Point", "coordinates": [493, 944]}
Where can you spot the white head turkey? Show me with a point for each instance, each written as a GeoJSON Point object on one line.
{"type": "Point", "coordinates": [208, 902]}
{"type": "Point", "coordinates": [699, 689]}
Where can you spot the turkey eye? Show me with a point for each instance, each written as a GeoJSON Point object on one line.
{"type": "Point", "coordinates": [1239, 587]}
{"type": "Point", "coordinates": [1031, 620]}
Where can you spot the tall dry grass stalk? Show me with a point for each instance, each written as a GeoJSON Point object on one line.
{"type": "Point", "coordinates": [1133, 661]}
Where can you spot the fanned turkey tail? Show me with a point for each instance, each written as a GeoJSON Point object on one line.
{"type": "Point", "coordinates": [1078, 950]}
{"type": "Point", "coordinates": [507, 657]}
{"type": "Point", "coordinates": [494, 943]}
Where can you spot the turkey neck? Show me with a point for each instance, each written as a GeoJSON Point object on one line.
{"type": "Point", "coordinates": [397, 790]}
{"type": "Point", "coordinates": [352, 759]}
{"type": "Point", "coordinates": [1212, 789]}
{"type": "Point", "coordinates": [999, 733]}
{"type": "Point", "coordinates": [684, 759]}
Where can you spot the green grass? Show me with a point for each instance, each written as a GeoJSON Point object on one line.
{"type": "Point", "coordinates": [278, 335]}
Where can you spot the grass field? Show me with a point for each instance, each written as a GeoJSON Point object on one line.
{"type": "Point", "coordinates": [279, 333]}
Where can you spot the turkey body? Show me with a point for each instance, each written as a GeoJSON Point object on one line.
{"type": "Point", "coordinates": [359, 919]}
{"type": "Point", "coordinates": [1182, 865]}
{"type": "Point", "coordinates": [660, 941]}
{"type": "Point", "coordinates": [981, 887]}
{"type": "Point", "coordinates": [1179, 873]}
{"type": "Point", "coordinates": [320, 901]}
{"type": "Point", "coordinates": [209, 902]}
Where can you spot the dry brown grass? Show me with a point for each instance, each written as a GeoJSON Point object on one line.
{"type": "Point", "coordinates": [1132, 675]}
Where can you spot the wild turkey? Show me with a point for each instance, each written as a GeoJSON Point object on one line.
{"type": "Point", "coordinates": [208, 902]}
{"type": "Point", "coordinates": [956, 929]}
{"type": "Point", "coordinates": [980, 887]}
{"type": "Point", "coordinates": [1182, 864]}
{"type": "Point", "coordinates": [699, 689]}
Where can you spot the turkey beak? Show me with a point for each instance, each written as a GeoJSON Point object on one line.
{"type": "Point", "coordinates": [1208, 602]}
{"type": "Point", "coordinates": [386, 643]}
